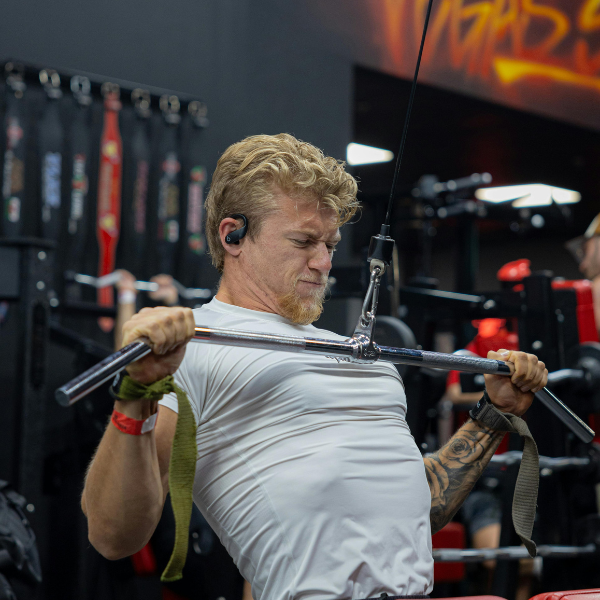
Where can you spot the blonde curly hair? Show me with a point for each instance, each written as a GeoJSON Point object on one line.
{"type": "Point", "coordinates": [250, 172]}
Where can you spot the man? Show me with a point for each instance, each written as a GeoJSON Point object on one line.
{"type": "Point", "coordinates": [306, 468]}
{"type": "Point", "coordinates": [586, 250]}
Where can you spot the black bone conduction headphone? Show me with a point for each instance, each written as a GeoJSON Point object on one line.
{"type": "Point", "coordinates": [235, 236]}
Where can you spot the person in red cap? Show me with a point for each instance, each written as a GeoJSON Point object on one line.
{"type": "Point", "coordinates": [586, 251]}
{"type": "Point", "coordinates": [492, 333]}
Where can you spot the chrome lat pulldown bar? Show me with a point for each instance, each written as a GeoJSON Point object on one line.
{"type": "Point", "coordinates": [351, 350]}
{"type": "Point", "coordinates": [360, 348]}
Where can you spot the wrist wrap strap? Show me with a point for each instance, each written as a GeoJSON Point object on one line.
{"type": "Point", "coordinates": [528, 479]}
{"type": "Point", "coordinates": [182, 466]}
{"type": "Point", "coordinates": [126, 388]}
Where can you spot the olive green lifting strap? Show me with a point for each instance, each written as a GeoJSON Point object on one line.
{"type": "Point", "coordinates": [182, 466]}
{"type": "Point", "coordinates": [528, 479]}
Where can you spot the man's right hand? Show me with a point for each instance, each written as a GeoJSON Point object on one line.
{"type": "Point", "coordinates": [167, 330]}
{"type": "Point", "coordinates": [127, 482]}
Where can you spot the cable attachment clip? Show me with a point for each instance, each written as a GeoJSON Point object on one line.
{"type": "Point", "coordinates": [365, 349]}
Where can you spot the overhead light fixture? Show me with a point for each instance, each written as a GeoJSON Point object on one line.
{"type": "Point", "coordinates": [359, 154]}
{"type": "Point", "coordinates": [528, 195]}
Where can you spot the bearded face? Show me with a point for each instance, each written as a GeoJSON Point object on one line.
{"type": "Point", "coordinates": [284, 268]}
{"type": "Point", "coordinates": [304, 310]}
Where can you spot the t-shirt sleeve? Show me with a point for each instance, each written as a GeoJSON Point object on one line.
{"type": "Point", "coordinates": [170, 401]}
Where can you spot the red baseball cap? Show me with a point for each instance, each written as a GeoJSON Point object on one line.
{"type": "Point", "coordinates": [516, 270]}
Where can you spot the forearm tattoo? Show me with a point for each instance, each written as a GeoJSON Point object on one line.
{"type": "Point", "coordinates": [453, 470]}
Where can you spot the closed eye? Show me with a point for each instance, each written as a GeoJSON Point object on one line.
{"type": "Point", "coordinates": [304, 243]}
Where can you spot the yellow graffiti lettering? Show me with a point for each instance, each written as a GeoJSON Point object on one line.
{"type": "Point", "coordinates": [512, 39]}
{"type": "Point", "coordinates": [589, 16]}
{"type": "Point", "coordinates": [460, 47]}
{"type": "Point", "coordinates": [511, 70]}
{"type": "Point", "coordinates": [502, 21]}
{"type": "Point", "coordinates": [561, 24]}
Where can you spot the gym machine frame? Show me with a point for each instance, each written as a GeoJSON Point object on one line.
{"type": "Point", "coordinates": [360, 348]}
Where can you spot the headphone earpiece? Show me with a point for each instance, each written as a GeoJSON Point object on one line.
{"type": "Point", "coordinates": [235, 236]}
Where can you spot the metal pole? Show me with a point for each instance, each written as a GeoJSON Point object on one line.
{"type": "Point", "coordinates": [509, 553]}
{"type": "Point", "coordinates": [351, 350]}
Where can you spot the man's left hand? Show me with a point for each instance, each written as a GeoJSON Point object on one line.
{"type": "Point", "coordinates": [515, 394]}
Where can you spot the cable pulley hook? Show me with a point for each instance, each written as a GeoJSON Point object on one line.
{"type": "Point", "coordinates": [372, 297]}
{"type": "Point", "coordinates": [381, 248]}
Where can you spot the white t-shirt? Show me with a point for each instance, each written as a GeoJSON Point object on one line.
{"type": "Point", "coordinates": [306, 469]}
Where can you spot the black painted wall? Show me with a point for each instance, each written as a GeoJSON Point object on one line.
{"type": "Point", "coordinates": [256, 64]}
{"type": "Point", "coordinates": [261, 65]}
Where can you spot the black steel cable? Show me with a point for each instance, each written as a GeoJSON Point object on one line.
{"type": "Point", "coordinates": [407, 118]}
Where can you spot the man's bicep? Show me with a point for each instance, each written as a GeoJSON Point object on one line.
{"type": "Point", "coordinates": [165, 432]}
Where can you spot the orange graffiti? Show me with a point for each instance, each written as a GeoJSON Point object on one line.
{"type": "Point", "coordinates": [510, 70]}
{"type": "Point", "coordinates": [502, 22]}
{"type": "Point", "coordinates": [394, 32]}
{"type": "Point", "coordinates": [589, 17]}
{"type": "Point", "coordinates": [470, 44]}
{"type": "Point", "coordinates": [514, 40]}
{"type": "Point", "coordinates": [533, 12]}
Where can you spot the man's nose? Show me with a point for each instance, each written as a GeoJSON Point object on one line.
{"type": "Point", "coordinates": [321, 259]}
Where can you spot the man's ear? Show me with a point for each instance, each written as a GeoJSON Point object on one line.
{"type": "Point", "coordinates": [227, 226]}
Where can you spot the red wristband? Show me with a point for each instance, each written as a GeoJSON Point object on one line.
{"type": "Point", "coordinates": [133, 426]}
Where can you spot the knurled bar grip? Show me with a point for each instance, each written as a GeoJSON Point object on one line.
{"type": "Point", "coordinates": [438, 360]}
{"type": "Point", "coordinates": [347, 350]}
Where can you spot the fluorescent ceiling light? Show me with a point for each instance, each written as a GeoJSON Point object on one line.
{"type": "Point", "coordinates": [359, 154]}
{"type": "Point", "coordinates": [529, 195]}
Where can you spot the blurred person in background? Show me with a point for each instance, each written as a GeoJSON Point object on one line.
{"type": "Point", "coordinates": [491, 333]}
{"type": "Point", "coordinates": [586, 250]}
{"type": "Point", "coordinates": [165, 295]}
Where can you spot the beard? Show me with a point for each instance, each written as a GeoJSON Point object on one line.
{"type": "Point", "coordinates": [303, 311]}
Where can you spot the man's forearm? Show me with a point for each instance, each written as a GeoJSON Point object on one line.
{"type": "Point", "coordinates": [453, 470]}
{"type": "Point", "coordinates": [123, 493]}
